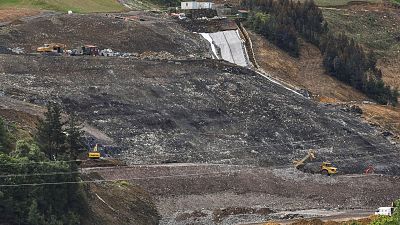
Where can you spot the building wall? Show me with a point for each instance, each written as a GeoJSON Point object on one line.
{"type": "Point", "coordinates": [188, 5]}
{"type": "Point", "coordinates": [196, 5]}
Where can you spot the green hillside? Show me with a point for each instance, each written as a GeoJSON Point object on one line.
{"type": "Point", "coordinates": [82, 6]}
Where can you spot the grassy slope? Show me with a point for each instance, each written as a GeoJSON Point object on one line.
{"type": "Point", "coordinates": [374, 30]}
{"type": "Point", "coordinates": [83, 6]}
{"type": "Point", "coordinates": [305, 72]}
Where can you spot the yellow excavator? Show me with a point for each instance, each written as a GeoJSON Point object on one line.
{"type": "Point", "coordinates": [95, 153]}
{"type": "Point", "coordinates": [53, 47]}
{"type": "Point", "coordinates": [326, 168]}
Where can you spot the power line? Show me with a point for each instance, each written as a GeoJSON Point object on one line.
{"type": "Point", "coordinates": [45, 162]}
{"type": "Point", "coordinates": [37, 174]}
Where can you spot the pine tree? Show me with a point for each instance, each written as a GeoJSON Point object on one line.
{"type": "Point", "coordinates": [74, 138]}
{"type": "Point", "coordinates": [50, 136]}
{"type": "Point", "coordinates": [5, 142]}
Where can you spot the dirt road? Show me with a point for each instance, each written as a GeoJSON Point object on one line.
{"type": "Point", "coordinates": [332, 215]}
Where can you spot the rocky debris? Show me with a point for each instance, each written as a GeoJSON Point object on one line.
{"type": "Point", "coordinates": [221, 214]}
{"type": "Point", "coordinates": [119, 203]}
{"type": "Point", "coordinates": [227, 194]}
{"type": "Point", "coordinates": [17, 50]}
{"type": "Point", "coordinates": [165, 56]}
{"type": "Point", "coordinates": [200, 13]}
{"type": "Point", "coordinates": [157, 33]}
{"type": "Point", "coordinates": [208, 25]}
{"type": "Point", "coordinates": [197, 111]}
{"type": "Point", "coordinates": [353, 109]}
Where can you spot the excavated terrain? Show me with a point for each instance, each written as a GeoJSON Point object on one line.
{"type": "Point", "coordinates": [138, 32]}
{"type": "Point", "coordinates": [224, 194]}
{"type": "Point", "coordinates": [197, 111]}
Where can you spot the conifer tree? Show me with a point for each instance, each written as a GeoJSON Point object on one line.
{"type": "Point", "coordinates": [50, 136]}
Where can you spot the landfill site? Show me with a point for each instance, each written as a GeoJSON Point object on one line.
{"type": "Point", "coordinates": [211, 137]}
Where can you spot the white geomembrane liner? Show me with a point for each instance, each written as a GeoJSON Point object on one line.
{"type": "Point", "coordinates": [231, 46]}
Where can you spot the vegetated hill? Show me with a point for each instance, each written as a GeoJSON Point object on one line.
{"type": "Point", "coordinates": [155, 34]}
{"type": "Point", "coordinates": [307, 72]}
{"type": "Point", "coordinates": [304, 72]}
{"type": "Point", "coordinates": [197, 111]}
{"type": "Point", "coordinates": [85, 6]}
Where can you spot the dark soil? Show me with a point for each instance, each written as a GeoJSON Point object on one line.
{"type": "Point", "coordinates": [197, 111]}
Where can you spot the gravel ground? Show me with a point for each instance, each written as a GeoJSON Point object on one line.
{"type": "Point", "coordinates": [224, 194]}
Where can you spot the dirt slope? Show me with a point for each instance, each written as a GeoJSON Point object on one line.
{"type": "Point", "coordinates": [224, 194]}
{"type": "Point", "coordinates": [306, 72]}
{"type": "Point", "coordinates": [155, 34]}
{"type": "Point", "coordinates": [7, 15]}
{"type": "Point", "coordinates": [65, 5]}
{"type": "Point", "coordinates": [119, 203]}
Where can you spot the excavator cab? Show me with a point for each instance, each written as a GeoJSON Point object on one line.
{"type": "Point", "coordinates": [328, 169]}
{"type": "Point", "coordinates": [95, 153]}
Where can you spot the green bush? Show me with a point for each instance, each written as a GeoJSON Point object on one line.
{"type": "Point", "coordinates": [389, 220]}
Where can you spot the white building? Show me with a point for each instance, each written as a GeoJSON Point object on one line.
{"type": "Point", "coordinates": [385, 211]}
{"type": "Point", "coordinates": [196, 5]}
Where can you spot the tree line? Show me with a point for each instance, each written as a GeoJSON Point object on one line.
{"type": "Point", "coordinates": [46, 158]}
{"type": "Point", "coordinates": [283, 21]}
{"type": "Point", "coordinates": [346, 60]}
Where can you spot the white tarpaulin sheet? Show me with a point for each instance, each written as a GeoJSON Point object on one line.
{"type": "Point", "coordinates": [230, 44]}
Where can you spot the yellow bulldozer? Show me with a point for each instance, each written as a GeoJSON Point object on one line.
{"type": "Point", "coordinates": [53, 47]}
{"type": "Point", "coordinates": [326, 168]}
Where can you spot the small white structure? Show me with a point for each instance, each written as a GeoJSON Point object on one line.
{"type": "Point", "coordinates": [70, 12]}
{"type": "Point", "coordinates": [385, 211]}
{"type": "Point", "coordinates": [196, 5]}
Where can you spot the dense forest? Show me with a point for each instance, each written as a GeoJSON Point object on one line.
{"type": "Point", "coordinates": [283, 22]}
{"type": "Point", "coordinates": [29, 168]}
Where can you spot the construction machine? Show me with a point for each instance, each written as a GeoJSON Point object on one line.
{"type": "Point", "coordinates": [95, 153]}
{"type": "Point", "coordinates": [326, 168]}
{"type": "Point", "coordinates": [299, 164]}
{"type": "Point", "coordinates": [53, 47]}
{"type": "Point", "coordinates": [90, 50]}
